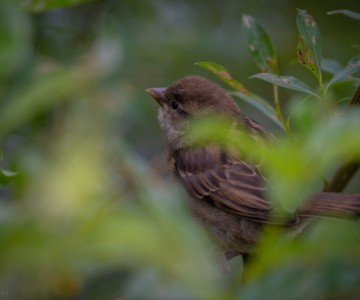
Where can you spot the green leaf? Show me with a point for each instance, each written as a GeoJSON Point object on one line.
{"type": "Point", "coordinates": [311, 34]}
{"type": "Point", "coordinates": [306, 57]}
{"type": "Point", "coordinates": [265, 110]}
{"type": "Point", "coordinates": [242, 93]}
{"type": "Point", "coordinates": [331, 66]}
{"type": "Point", "coordinates": [42, 93]}
{"type": "Point", "coordinates": [259, 45]}
{"type": "Point", "coordinates": [352, 67]}
{"type": "Point", "coordinates": [5, 176]}
{"type": "Point", "coordinates": [15, 29]}
{"type": "Point", "coordinates": [345, 12]}
{"type": "Point", "coordinates": [288, 82]}
{"type": "Point", "coordinates": [42, 5]}
{"type": "Point", "coordinates": [223, 74]}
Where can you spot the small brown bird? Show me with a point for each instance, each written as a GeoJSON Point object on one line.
{"type": "Point", "coordinates": [226, 190]}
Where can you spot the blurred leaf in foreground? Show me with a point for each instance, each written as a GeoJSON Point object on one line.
{"type": "Point", "coordinates": [43, 92]}
{"type": "Point", "coordinates": [15, 32]}
{"type": "Point", "coordinates": [86, 226]}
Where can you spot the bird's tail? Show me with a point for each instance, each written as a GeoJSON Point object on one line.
{"type": "Point", "coordinates": [334, 205]}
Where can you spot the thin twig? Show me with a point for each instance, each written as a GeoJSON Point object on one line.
{"type": "Point", "coordinates": [355, 99]}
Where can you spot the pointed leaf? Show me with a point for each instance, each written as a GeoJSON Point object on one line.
{"type": "Point", "coordinates": [288, 82]}
{"type": "Point", "coordinates": [311, 34]}
{"type": "Point", "coordinates": [265, 110]}
{"type": "Point", "coordinates": [242, 93]}
{"type": "Point", "coordinates": [306, 57]}
{"type": "Point", "coordinates": [259, 45]}
{"type": "Point", "coordinates": [331, 66]}
{"type": "Point", "coordinates": [345, 12]}
{"type": "Point", "coordinates": [223, 74]}
{"type": "Point", "coordinates": [352, 67]}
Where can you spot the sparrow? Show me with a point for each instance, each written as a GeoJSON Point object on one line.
{"type": "Point", "coordinates": [226, 189]}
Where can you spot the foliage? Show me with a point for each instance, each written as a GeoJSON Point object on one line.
{"type": "Point", "coordinates": [242, 92]}
{"type": "Point", "coordinates": [346, 12]}
{"type": "Point", "coordinates": [289, 82]}
{"type": "Point", "coordinates": [87, 210]}
{"type": "Point", "coordinates": [259, 45]}
{"type": "Point", "coordinates": [43, 5]}
{"type": "Point", "coordinates": [5, 176]}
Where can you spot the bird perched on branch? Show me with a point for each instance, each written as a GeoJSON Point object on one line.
{"type": "Point", "coordinates": [226, 188]}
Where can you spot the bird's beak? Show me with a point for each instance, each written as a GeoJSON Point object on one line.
{"type": "Point", "coordinates": [159, 95]}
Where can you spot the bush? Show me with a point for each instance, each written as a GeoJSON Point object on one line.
{"type": "Point", "coordinates": [87, 214]}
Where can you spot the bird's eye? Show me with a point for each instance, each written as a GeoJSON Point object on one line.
{"type": "Point", "coordinates": [174, 105]}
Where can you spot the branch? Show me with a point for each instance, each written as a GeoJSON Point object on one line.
{"type": "Point", "coordinates": [355, 99]}
{"type": "Point", "coordinates": [347, 171]}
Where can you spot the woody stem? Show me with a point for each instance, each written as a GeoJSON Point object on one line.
{"type": "Point", "coordinates": [349, 168]}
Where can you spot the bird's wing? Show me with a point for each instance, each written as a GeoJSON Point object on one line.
{"type": "Point", "coordinates": [230, 184]}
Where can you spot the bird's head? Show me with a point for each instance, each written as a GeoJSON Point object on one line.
{"type": "Point", "coordinates": [191, 98]}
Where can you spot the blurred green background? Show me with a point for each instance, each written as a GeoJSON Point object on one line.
{"type": "Point", "coordinates": [92, 212]}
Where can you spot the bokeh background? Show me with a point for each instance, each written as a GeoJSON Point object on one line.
{"type": "Point", "coordinates": [92, 212]}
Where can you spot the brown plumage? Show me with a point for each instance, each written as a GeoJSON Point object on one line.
{"type": "Point", "coordinates": [226, 189]}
